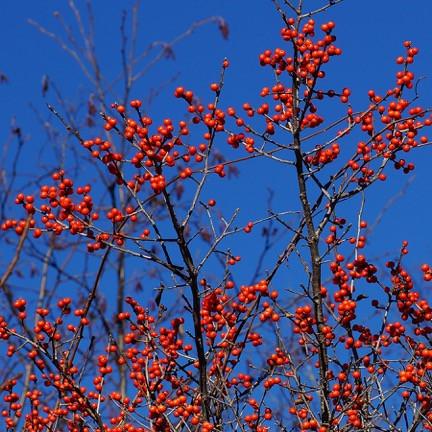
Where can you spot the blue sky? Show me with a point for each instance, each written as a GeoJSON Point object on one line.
{"type": "Point", "coordinates": [369, 32]}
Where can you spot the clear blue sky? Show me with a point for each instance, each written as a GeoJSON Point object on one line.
{"type": "Point", "coordinates": [370, 32]}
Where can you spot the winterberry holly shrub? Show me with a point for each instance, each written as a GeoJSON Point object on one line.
{"type": "Point", "coordinates": [347, 348]}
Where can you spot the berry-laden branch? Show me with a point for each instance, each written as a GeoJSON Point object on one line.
{"type": "Point", "coordinates": [192, 281]}
{"type": "Point", "coordinates": [315, 258]}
